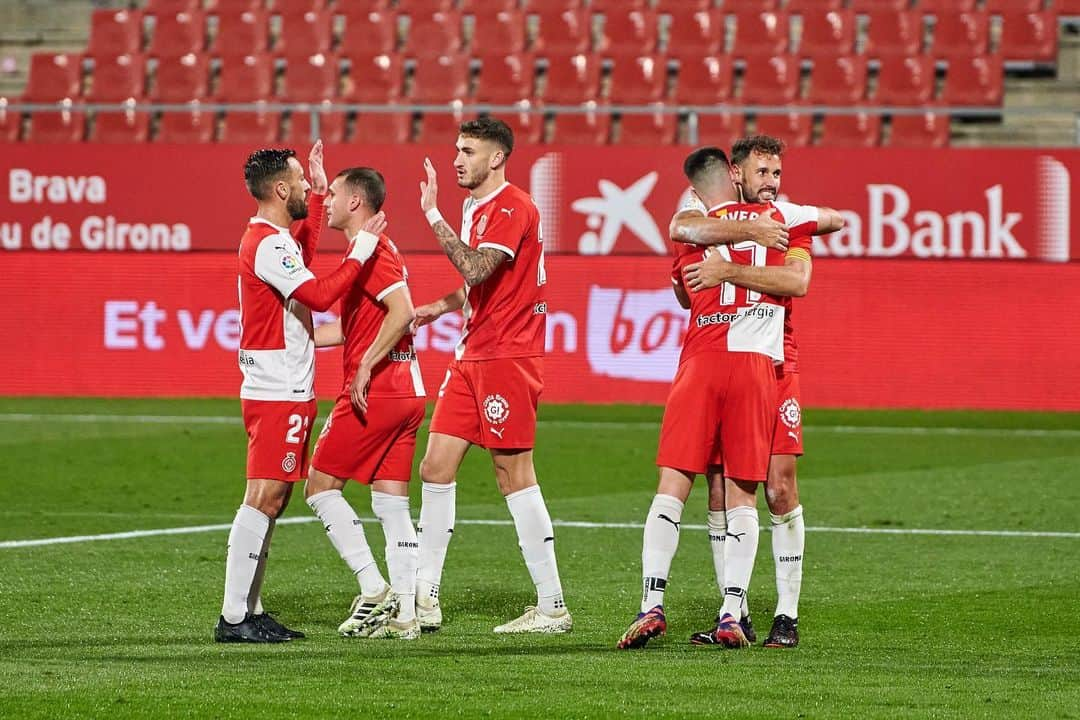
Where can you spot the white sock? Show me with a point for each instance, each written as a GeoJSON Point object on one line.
{"type": "Point", "coordinates": [255, 606]}
{"type": "Point", "coordinates": [242, 560]}
{"type": "Point", "coordinates": [436, 527]}
{"type": "Point", "coordinates": [658, 548]}
{"type": "Point", "coordinates": [717, 525]}
{"type": "Point", "coordinates": [740, 549]}
{"type": "Point", "coordinates": [401, 548]}
{"type": "Point", "coordinates": [536, 538]}
{"type": "Point", "coordinates": [347, 536]}
{"type": "Point", "coordinates": [788, 541]}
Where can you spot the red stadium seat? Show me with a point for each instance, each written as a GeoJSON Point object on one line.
{"type": "Point", "coordinates": [372, 33]}
{"type": "Point", "coordinates": [441, 128]}
{"type": "Point", "coordinates": [291, 9]}
{"type": "Point", "coordinates": [374, 79]}
{"type": "Point", "coordinates": [305, 35]}
{"type": "Point", "coordinates": [657, 128]}
{"type": "Point", "coordinates": [695, 33]}
{"type": "Point", "coordinates": [505, 79]}
{"type": "Point", "coordinates": [487, 7]}
{"type": "Point", "coordinates": [927, 130]}
{"type": "Point", "coordinates": [961, 34]}
{"type": "Point", "coordinates": [752, 6]}
{"type": "Point", "coordinates": [240, 34]}
{"type": "Point", "coordinates": [629, 32]}
{"type": "Point", "coordinates": [1001, 7]}
{"type": "Point", "coordinates": [234, 7]}
{"type": "Point", "coordinates": [721, 130]}
{"type": "Point", "coordinates": [501, 32]}
{"type": "Point", "coordinates": [251, 128]}
{"type": "Point", "coordinates": [331, 126]}
{"type": "Point", "coordinates": [118, 78]}
{"type": "Point", "coordinates": [246, 79]}
{"type": "Point", "coordinates": [572, 79]}
{"type": "Point", "coordinates": [311, 79]}
{"type": "Point", "coordinates": [1070, 8]}
{"type": "Point", "coordinates": [177, 34]}
{"type": "Point", "coordinates": [894, 34]}
{"type": "Point", "coordinates": [181, 79]}
{"type": "Point", "coordinates": [590, 128]}
{"type": "Point", "coordinates": [1029, 37]}
{"type": "Point", "coordinates": [809, 7]}
{"type": "Point", "coordinates": [760, 34]}
{"type": "Point", "coordinates": [830, 33]}
{"type": "Point", "coordinates": [424, 7]}
{"type": "Point", "coordinates": [10, 123]}
{"type": "Point", "coordinates": [434, 35]}
{"type": "Point", "coordinates": [54, 76]}
{"type": "Point", "coordinates": [674, 7]}
{"type": "Point", "coordinates": [859, 130]}
{"type": "Point", "coordinates": [441, 79]}
{"type": "Point", "coordinates": [564, 32]}
{"type": "Point", "coordinates": [171, 7]}
{"type": "Point", "coordinates": [771, 82]}
{"type": "Point", "coordinates": [838, 80]}
{"type": "Point", "coordinates": [115, 32]}
{"type": "Point", "coordinates": [794, 129]}
{"type": "Point", "coordinates": [638, 80]}
{"type": "Point", "coordinates": [193, 126]}
{"type": "Point", "coordinates": [869, 6]}
{"type": "Point", "coordinates": [534, 6]}
{"type": "Point", "coordinates": [121, 127]}
{"type": "Point", "coordinates": [945, 7]}
{"type": "Point", "coordinates": [704, 81]}
{"type": "Point", "coordinates": [528, 128]}
{"type": "Point", "coordinates": [383, 128]}
{"type": "Point", "coordinates": [360, 8]}
{"type": "Point", "coordinates": [974, 81]}
{"type": "Point", "coordinates": [57, 127]}
{"type": "Point", "coordinates": [905, 81]}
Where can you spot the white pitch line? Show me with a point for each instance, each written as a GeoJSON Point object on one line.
{"type": "Point", "coordinates": [558, 523]}
{"type": "Point", "coordinates": [609, 424]}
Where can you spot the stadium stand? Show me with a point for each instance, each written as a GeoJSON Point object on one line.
{"type": "Point", "coordinates": [672, 55]}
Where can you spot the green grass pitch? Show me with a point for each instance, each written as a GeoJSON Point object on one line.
{"type": "Point", "coordinates": [893, 624]}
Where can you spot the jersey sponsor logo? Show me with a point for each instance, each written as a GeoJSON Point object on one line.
{"type": "Point", "coordinates": [481, 225]}
{"type": "Point", "coordinates": [791, 413]}
{"type": "Point", "coordinates": [402, 356]}
{"type": "Point", "coordinates": [761, 312]}
{"type": "Point", "coordinates": [540, 308]}
{"type": "Point", "coordinates": [614, 209]}
{"type": "Point", "coordinates": [288, 464]}
{"type": "Point", "coordinates": [246, 360]}
{"type": "Point", "coordinates": [496, 409]}
{"type": "Point", "coordinates": [290, 264]}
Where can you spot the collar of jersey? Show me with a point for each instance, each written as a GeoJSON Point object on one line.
{"type": "Point", "coordinates": [264, 221]}
{"type": "Point", "coordinates": [491, 196]}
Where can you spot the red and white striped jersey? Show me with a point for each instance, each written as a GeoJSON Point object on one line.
{"type": "Point", "coordinates": [277, 346]}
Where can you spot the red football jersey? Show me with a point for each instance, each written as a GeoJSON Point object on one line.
{"type": "Point", "coordinates": [729, 317]}
{"type": "Point", "coordinates": [362, 314]}
{"type": "Point", "coordinates": [277, 350]}
{"type": "Point", "coordinates": [505, 315]}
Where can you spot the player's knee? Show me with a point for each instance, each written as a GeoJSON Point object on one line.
{"type": "Point", "coordinates": [434, 472]}
{"type": "Point", "coordinates": [781, 493]}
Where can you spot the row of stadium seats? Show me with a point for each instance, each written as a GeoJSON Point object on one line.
{"type": "Point", "coordinates": [507, 80]}
{"type": "Point", "coordinates": [265, 128]}
{"type": "Point", "coordinates": [483, 6]}
{"type": "Point", "coordinates": [1024, 36]}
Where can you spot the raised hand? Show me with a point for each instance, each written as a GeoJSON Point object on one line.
{"type": "Point", "coordinates": [376, 224]}
{"type": "Point", "coordinates": [429, 190]}
{"type": "Point", "coordinates": [319, 184]}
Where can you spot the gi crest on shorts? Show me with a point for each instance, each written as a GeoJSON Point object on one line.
{"type": "Point", "coordinates": [496, 409]}
{"type": "Point", "coordinates": [790, 413]}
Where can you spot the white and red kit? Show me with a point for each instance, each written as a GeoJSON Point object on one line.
{"type": "Point", "coordinates": [277, 348]}
{"type": "Point", "coordinates": [493, 385]}
{"type": "Point", "coordinates": [378, 444]}
{"type": "Point", "coordinates": [721, 407]}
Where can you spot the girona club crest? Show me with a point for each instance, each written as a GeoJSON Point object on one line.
{"type": "Point", "coordinates": [481, 225]}
{"type": "Point", "coordinates": [496, 409]}
{"type": "Point", "coordinates": [791, 413]}
{"type": "Point", "coordinates": [289, 463]}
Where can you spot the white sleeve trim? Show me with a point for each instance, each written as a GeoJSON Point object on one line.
{"type": "Point", "coordinates": [795, 215]}
{"type": "Point", "coordinates": [389, 289]}
{"type": "Point", "coordinates": [497, 246]}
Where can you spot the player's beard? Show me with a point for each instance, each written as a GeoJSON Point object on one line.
{"type": "Point", "coordinates": [476, 180]}
{"type": "Point", "coordinates": [296, 207]}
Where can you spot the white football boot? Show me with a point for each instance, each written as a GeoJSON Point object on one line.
{"type": "Point", "coordinates": [368, 613]}
{"type": "Point", "coordinates": [394, 629]}
{"type": "Point", "coordinates": [534, 621]}
{"type": "Point", "coordinates": [428, 613]}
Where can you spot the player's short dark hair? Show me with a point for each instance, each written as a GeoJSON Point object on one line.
{"type": "Point", "coordinates": [490, 128]}
{"type": "Point", "coordinates": [760, 144]}
{"type": "Point", "coordinates": [264, 167]}
{"type": "Point", "coordinates": [703, 162]}
{"type": "Point", "coordinates": [368, 181]}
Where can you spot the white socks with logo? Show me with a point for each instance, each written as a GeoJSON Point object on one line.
{"type": "Point", "coordinates": [246, 540]}
{"type": "Point", "coordinates": [788, 542]}
{"type": "Point", "coordinates": [536, 537]}
{"type": "Point", "coordinates": [437, 514]}
{"type": "Point", "coordinates": [347, 535]}
{"type": "Point", "coordinates": [658, 548]}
